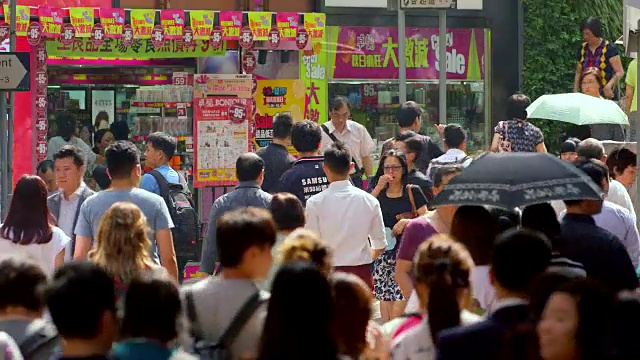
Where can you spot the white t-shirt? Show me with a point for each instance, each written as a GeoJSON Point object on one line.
{"type": "Point", "coordinates": [43, 254]}
{"type": "Point", "coordinates": [483, 291]}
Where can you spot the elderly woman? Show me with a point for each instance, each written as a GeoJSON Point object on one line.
{"type": "Point", "coordinates": [599, 53]}
{"type": "Point", "coordinates": [591, 84]}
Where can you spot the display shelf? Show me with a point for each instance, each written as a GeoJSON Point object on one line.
{"type": "Point", "coordinates": [159, 104]}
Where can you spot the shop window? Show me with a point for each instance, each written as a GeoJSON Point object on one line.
{"type": "Point", "coordinates": [375, 104]}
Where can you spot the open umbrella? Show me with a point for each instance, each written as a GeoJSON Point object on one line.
{"type": "Point", "coordinates": [578, 109]}
{"type": "Point", "coordinates": [510, 180]}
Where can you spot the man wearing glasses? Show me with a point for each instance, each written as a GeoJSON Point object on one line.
{"type": "Point", "coordinates": [355, 136]}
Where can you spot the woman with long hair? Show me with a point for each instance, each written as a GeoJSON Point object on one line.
{"type": "Point", "coordinates": [29, 227]}
{"type": "Point", "coordinates": [399, 203]}
{"type": "Point", "coordinates": [591, 84]}
{"type": "Point", "coordinates": [300, 316]}
{"type": "Point", "coordinates": [442, 270]}
{"type": "Point", "coordinates": [101, 140]}
{"type": "Point", "coordinates": [122, 245]}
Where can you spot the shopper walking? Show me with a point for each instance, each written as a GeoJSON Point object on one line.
{"type": "Point", "coordinates": [276, 156]}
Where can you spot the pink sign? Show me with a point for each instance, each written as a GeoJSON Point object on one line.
{"type": "Point", "coordinates": [366, 52]}
{"type": "Point", "coordinates": [51, 21]}
{"type": "Point", "coordinates": [287, 23]}
{"type": "Point", "coordinates": [231, 23]}
{"type": "Point", "coordinates": [113, 21]}
{"type": "Point", "coordinates": [173, 23]}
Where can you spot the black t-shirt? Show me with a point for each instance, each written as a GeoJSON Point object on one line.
{"type": "Point", "coordinates": [391, 207]}
{"type": "Point", "coordinates": [277, 160]}
{"type": "Point", "coordinates": [305, 179]}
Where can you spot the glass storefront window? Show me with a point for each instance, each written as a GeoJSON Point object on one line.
{"type": "Point", "coordinates": [375, 105]}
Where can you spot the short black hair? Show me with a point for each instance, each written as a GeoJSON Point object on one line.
{"type": "Point", "coordinates": [240, 229]}
{"type": "Point", "coordinates": [70, 151]}
{"type": "Point", "coordinates": [517, 106]}
{"type": "Point", "coordinates": [249, 166]}
{"type": "Point", "coordinates": [282, 126]}
{"type": "Point", "coordinates": [22, 284]}
{"type": "Point", "coordinates": [414, 145]}
{"type": "Point", "coordinates": [442, 171]}
{"type": "Point", "coordinates": [593, 24]}
{"type": "Point", "coordinates": [595, 169]}
{"type": "Point", "coordinates": [79, 295]}
{"type": "Point", "coordinates": [120, 130]}
{"type": "Point", "coordinates": [287, 211]}
{"type": "Point", "coordinates": [163, 142]}
{"type": "Point", "coordinates": [620, 159]}
{"type": "Point", "coordinates": [408, 113]}
{"type": "Point", "coordinates": [338, 103]}
{"type": "Point", "coordinates": [152, 308]}
{"type": "Point", "coordinates": [45, 166]}
{"type": "Point", "coordinates": [101, 177]}
{"type": "Point", "coordinates": [519, 257]}
{"type": "Point", "coordinates": [590, 149]}
{"type": "Point", "coordinates": [66, 125]}
{"type": "Point", "coordinates": [98, 135]}
{"type": "Point", "coordinates": [338, 158]}
{"type": "Point", "coordinates": [306, 136]}
{"type": "Point", "coordinates": [404, 135]}
{"type": "Point", "coordinates": [122, 157]}
{"type": "Point", "coordinates": [568, 146]}
{"type": "Point", "coordinates": [454, 136]}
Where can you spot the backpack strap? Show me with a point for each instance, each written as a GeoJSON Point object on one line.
{"type": "Point", "coordinates": [240, 319]}
{"type": "Point", "coordinates": [165, 190]}
{"type": "Point", "coordinates": [192, 315]}
{"type": "Point", "coordinates": [36, 341]}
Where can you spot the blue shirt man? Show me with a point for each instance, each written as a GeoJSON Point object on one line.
{"type": "Point", "coordinates": [161, 147]}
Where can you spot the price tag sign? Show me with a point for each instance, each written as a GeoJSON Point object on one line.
{"type": "Point", "coordinates": [180, 78]}
{"type": "Point", "coordinates": [215, 40]}
{"type": "Point", "coordinates": [68, 34]}
{"type": "Point", "coordinates": [274, 38]}
{"type": "Point", "coordinates": [34, 33]}
{"type": "Point", "coordinates": [249, 62]}
{"type": "Point", "coordinates": [157, 36]}
{"type": "Point", "coordinates": [4, 31]}
{"type": "Point", "coordinates": [302, 38]}
{"type": "Point", "coordinates": [97, 34]}
{"type": "Point", "coordinates": [41, 78]}
{"type": "Point", "coordinates": [187, 37]}
{"type": "Point", "coordinates": [127, 35]}
{"type": "Point", "coordinates": [181, 109]}
{"type": "Point", "coordinates": [41, 102]}
{"type": "Point", "coordinates": [246, 38]}
{"type": "Point", "coordinates": [237, 113]}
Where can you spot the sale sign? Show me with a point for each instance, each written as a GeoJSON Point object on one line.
{"type": "Point", "coordinates": [82, 19]}
{"type": "Point", "coordinates": [231, 23]}
{"type": "Point", "coordinates": [173, 23]}
{"type": "Point", "coordinates": [260, 24]}
{"type": "Point", "coordinates": [113, 21]}
{"type": "Point", "coordinates": [23, 14]}
{"type": "Point", "coordinates": [142, 22]}
{"type": "Point", "coordinates": [51, 21]}
{"type": "Point", "coordinates": [287, 24]}
{"type": "Point", "coordinates": [275, 97]}
{"type": "Point", "coordinates": [201, 23]}
{"type": "Point", "coordinates": [314, 23]}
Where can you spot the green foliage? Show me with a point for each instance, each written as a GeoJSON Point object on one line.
{"type": "Point", "coordinates": [551, 39]}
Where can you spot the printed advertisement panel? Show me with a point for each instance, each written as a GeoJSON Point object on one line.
{"type": "Point", "coordinates": [276, 97]}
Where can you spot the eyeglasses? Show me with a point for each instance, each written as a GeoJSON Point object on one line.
{"type": "Point", "coordinates": [392, 168]}
{"type": "Point", "coordinates": [344, 115]}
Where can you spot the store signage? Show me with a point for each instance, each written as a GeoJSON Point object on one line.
{"type": "Point", "coordinates": [216, 37]}
{"type": "Point", "coordinates": [237, 113]}
{"type": "Point", "coordinates": [372, 53]}
{"type": "Point", "coordinates": [246, 38]}
{"type": "Point", "coordinates": [51, 21]}
{"type": "Point", "coordinates": [113, 21]}
{"type": "Point", "coordinates": [34, 33]}
{"type": "Point", "coordinates": [23, 15]}
{"type": "Point", "coordinates": [172, 22]}
{"type": "Point", "coordinates": [275, 97]}
{"type": "Point", "coordinates": [127, 36]}
{"type": "Point", "coordinates": [249, 62]}
{"type": "Point", "coordinates": [68, 34]}
{"type": "Point", "coordinates": [14, 71]}
{"type": "Point", "coordinates": [201, 23]}
{"type": "Point", "coordinates": [206, 85]}
{"type": "Point", "coordinates": [142, 22]}
{"type": "Point", "coordinates": [187, 37]}
{"type": "Point", "coordinates": [287, 23]}
{"type": "Point", "coordinates": [231, 23]}
{"type": "Point", "coordinates": [180, 78]}
{"type": "Point", "coordinates": [428, 4]}
{"type": "Point", "coordinates": [157, 36]}
{"type": "Point", "coordinates": [302, 38]}
{"type": "Point", "coordinates": [5, 30]}
{"type": "Point", "coordinates": [82, 19]}
{"type": "Point", "coordinates": [314, 23]}
{"type": "Point", "coordinates": [260, 24]}
{"type": "Point", "coordinates": [97, 34]}
{"type": "Point", "coordinates": [138, 49]}
{"type": "Point", "coordinates": [274, 38]}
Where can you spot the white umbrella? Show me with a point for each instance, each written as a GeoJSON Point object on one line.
{"type": "Point", "coordinates": [578, 109]}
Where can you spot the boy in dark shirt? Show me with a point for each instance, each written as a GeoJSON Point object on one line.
{"type": "Point", "coordinates": [276, 157]}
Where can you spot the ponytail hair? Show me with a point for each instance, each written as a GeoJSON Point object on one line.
{"type": "Point", "coordinates": [443, 266]}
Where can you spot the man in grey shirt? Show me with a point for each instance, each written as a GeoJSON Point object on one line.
{"type": "Point", "coordinates": [123, 165]}
{"type": "Point", "coordinates": [250, 173]}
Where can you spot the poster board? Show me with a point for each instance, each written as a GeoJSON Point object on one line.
{"type": "Point", "coordinates": [274, 97]}
{"type": "Point", "coordinates": [102, 108]}
{"type": "Point", "coordinates": [223, 108]}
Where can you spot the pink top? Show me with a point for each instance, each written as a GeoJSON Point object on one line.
{"type": "Point", "coordinates": [409, 324]}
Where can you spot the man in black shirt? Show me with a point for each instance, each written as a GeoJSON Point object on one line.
{"type": "Point", "coordinates": [306, 178]}
{"type": "Point", "coordinates": [276, 158]}
{"type": "Point", "coordinates": [603, 255]}
{"type": "Point", "coordinates": [411, 144]}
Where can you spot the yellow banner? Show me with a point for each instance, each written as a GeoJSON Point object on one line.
{"type": "Point", "coordinates": [22, 18]}
{"type": "Point", "coordinates": [201, 23]}
{"type": "Point", "coordinates": [315, 23]}
{"type": "Point", "coordinates": [142, 22]}
{"type": "Point", "coordinates": [82, 19]}
{"type": "Point", "coordinates": [274, 97]}
{"type": "Point", "coordinates": [260, 24]}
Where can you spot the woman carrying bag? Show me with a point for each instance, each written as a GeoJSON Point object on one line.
{"type": "Point", "coordinates": [400, 202]}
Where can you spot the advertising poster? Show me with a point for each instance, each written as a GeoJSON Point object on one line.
{"type": "Point", "coordinates": [274, 97]}
{"type": "Point", "coordinates": [238, 85]}
{"type": "Point", "coordinates": [365, 52]}
{"type": "Point", "coordinates": [315, 75]}
{"type": "Point", "coordinates": [102, 108]}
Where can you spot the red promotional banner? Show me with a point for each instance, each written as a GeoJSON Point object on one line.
{"type": "Point", "coordinates": [113, 21]}
{"type": "Point", "coordinates": [231, 23]}
{"type": "Point", "coordinates": [287, 23]}
{"type": "Point", "coordinates": [173, 23]}
{"type": "Point", "coordinates": [51, 21]}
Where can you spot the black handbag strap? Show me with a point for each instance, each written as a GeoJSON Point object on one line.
{"type": "Point", "coordinates": [192, 315]}
{"type": "Point", "coordinates": [334, 139]}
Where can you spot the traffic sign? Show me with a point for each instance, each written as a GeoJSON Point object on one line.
{"type": "Point", "coordinates": [14, 71]}
{"type": "Point", "coordinates": [428, 4]}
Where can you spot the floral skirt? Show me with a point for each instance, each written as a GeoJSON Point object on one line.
{"type": "Point", "coordinates": [384, 280]}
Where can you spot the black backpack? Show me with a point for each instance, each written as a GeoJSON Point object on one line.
{"type": "Point", "coordinates": [183, 213]}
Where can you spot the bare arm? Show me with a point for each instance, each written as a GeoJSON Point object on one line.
{"type": "Point", "coordinates": [83, 244]}
{"type": "Point", "coordinates": [59, 258]}
{"type": "Point", "coordinates": [576, 78]}
{"type": "Point", "coordinates": [618, 70]}
{"type": "Point", "coordinates": [628, 96]}
{"type": "Point", "coordinates": [541, 147]}
{"type": "Point", "coordinates": [367, 163]}
{"type": "Point", "coordinates": [167, 253]}
{"type": "Point", "coordinates": [403, 269]}
{"type": "Point", "coordinates": [495, 142]}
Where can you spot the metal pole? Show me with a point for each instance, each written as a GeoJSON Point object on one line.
{"type": "Point", "coordinates": [402, 56]}
{"type": "Point", "coordinates": [488, 119]}
{"type": "Point", "coordinates": [442, 61]}
{"type": "Point", "coordinates": [12, 109]}
{"type": "Point", "coordinates": [4, 157]}
{"type": "Point", "coordinates": [637, 124]}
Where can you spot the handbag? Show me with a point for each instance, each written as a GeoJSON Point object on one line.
{"type": "Point", "coordinates": [504, 145]}
{"type": "Point", "coordinates": [414, 211]}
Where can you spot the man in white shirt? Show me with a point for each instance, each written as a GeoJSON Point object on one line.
{"type": "Point", "coordinates": [355, 136]}
{"type": "Point", "coordinates": [65, 204]}
{"type": "Point", "coordinates": [347, 218]}
{"type": "Point", "coordinates": [455, 143]}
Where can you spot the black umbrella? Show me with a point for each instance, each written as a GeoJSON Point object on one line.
{"type": "Point", "coordinates": [510, 180]}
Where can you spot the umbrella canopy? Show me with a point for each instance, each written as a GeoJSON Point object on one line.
{"type": "Point", "coordinates": [510, 180]}
{"type": "Point", "coordinates": [578, 109]}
